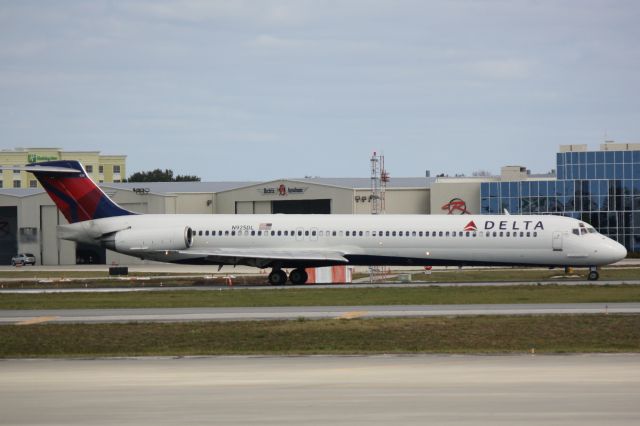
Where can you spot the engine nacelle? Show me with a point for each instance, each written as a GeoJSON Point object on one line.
{"type": "Point", "coordinates": [131, 240]}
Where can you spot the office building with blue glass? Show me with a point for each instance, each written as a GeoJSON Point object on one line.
{"type": "Point", "coordinates": [599, 187]}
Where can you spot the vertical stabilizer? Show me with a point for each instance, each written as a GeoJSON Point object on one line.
{"type": "Point", "coordinates": [73, 191]}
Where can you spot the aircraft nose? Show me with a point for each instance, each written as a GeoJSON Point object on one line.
{"type": "Point", "coordinates": [615, 251]}
{"type": "Point", "coordinates": [619, 251]}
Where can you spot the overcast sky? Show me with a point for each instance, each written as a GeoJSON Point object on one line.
{"type": "Point", "coordinates": [244, 90]}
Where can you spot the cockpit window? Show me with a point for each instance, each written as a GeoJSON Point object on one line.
{"type": "Point", "coordinates": [576, 231]}
{"type": "Point", "coordinates": [583, 231]}
{"type": "Point", "coordinates": [591, 230]}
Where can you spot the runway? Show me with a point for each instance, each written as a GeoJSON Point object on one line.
{"type": "Point", "coordinates": [320, 390]}
{"type": "Point", "coordinates": [309, 312]}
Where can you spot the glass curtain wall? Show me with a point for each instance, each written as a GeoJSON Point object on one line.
{"type": "Point", "coordinates": [598, 187]}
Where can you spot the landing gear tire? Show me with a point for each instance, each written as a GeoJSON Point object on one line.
{"type": "Point", "coordinates": [277, 277]}
{"type": "Point", "coordinates": [298, 276]}
{"type": "Point", "coordinates": [593, 275]}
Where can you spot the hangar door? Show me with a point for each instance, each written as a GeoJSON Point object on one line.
{"type": "Point", "coordinates": [8, 234]}
{"type": "Point", "coordinates": [301, 206]}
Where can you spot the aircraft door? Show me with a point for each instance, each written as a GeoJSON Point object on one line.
{"type": "Point", "coordinates": [556, 241]}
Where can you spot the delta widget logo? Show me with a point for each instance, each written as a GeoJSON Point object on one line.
{"type": "Point", "coordinates": [471, 226]}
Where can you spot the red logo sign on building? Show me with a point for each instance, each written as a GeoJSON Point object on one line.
{"type": "Point", "coordinates": [456, 206]}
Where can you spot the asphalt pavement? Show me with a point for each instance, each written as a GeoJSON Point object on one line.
{"type": "Point", "coordinates": [320, 390]}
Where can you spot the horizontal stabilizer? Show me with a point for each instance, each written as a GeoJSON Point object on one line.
{"type": "Point", "coordinates": [45, 169]}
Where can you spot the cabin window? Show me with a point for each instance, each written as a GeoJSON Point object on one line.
{"type": "Point", "coordinates": [446, 234]}
{"type": "Point", "coordinates": [501, 233]}
{"type": "Point", "coordinates": [341, 233]}
{"type": "Point", "coordinates": [426, 233]}
{"type": "Point", "coordinates": [200, 233]}
{"type": "Point", "coordinates": [387, 233]}
{"type": "Point", "coordinates": [495, 234]}
{"type": "Point", "coordinates": [521, 234]}
{"type": "Point", "coordinates": [420, 234]}
{"type": "Point", "coordinates": [528, 234]}
{"type": "Point", "coordinates": [374, 233]}
{"type": "Point", "coordinates": [453, 234]}
{"type": "Point", "coordinates": [206, 233]}
{"type": "Point", "coordinates": [306, 233]}
{"type": "Point", "coordinates": [361, 233]}
{"type": "Point", "coordinates": [333, 233]}
{"type": "Point", "coordinates": [367, 233]}
{"type": "Point", "coordinates": [393, 233]}
{"type": "Point", "coordinates": [440, 233]}
{"type": "Point", "coordinates": [253, 233]}
{"type": "Point", "coordinates": [414, 233]}
{"type": "Point", "coordinates": [313, 233]}
{"type": "Point", "coordinates": [535, 234]}
{"type": "Point", "coordinates": [348, 234]}
{"type": "Point", "coordinates": [233, 233]}
{"type": "Point", "coordinates": [468, 233]}
{"type": "Point", "coordinates": [226, 233]}
{"type": "Point", "coordinates": [321, 233]}
{"type": "Point", "coordinates": [279, 233]}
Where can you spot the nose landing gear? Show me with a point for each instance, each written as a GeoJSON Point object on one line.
{"type": "Point", "coordinates": [593, 273]}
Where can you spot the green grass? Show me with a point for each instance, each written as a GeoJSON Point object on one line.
{"type": "Point", "coordinates": [326, 297]}
{"type": "Point", "coordinates": [545, 334]}
{"type": "Point", "coordinates": [518, 275]}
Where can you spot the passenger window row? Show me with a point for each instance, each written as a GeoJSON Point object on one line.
{"type": "Point", "coordinates": [378, 234]}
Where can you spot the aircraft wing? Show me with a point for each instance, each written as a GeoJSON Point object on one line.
{"type": "Point", "coordinates": [263, 258]}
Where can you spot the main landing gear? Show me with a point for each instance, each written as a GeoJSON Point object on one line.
{"type": "Point", "coordinates": [279, 277]}
{"type": "Point", "coordinates": [593, 273]}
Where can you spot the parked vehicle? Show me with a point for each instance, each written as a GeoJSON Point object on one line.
{"type": "Point", "coordinates": [23, 259]}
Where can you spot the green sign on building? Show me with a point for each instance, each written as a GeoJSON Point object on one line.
{"type": "Point", "coordinates": [35, 158]}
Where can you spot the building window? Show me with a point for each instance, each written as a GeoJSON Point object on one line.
{"type": "Point", "coordinates": [33, 184]}
{"type": "Point", "coordinates": [16, 172]}
{"type": "Point", "coordinates": [1, 184]}
{"type": "Point", "coordinates": [116, 169]}
{"type": "Point", "coordinates": [100, 169]}
{"type": "Point", "coordinates": [17, 183]}
{"type": "Point", "coordinates": [89, 168]}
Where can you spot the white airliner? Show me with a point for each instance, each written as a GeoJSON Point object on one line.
{"type": "Point", "coordinates": [302, 241]}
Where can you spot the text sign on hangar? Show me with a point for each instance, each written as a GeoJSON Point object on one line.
{"type": "Point", "coordinates": [282, 190]}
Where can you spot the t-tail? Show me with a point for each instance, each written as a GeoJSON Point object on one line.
{"type": "Point", "coordinates": [73, 191]}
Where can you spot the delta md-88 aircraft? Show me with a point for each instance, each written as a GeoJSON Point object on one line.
{"type": "Point", "coordinates": [301, 241]}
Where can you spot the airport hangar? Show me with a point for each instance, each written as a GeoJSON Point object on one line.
{"type": "Point", "coordinates": [601, 187]}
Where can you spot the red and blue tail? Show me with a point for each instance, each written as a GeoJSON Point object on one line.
{"type": "Point", "coordinates": [73, 191]}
